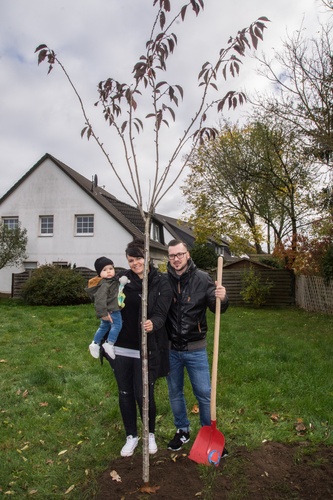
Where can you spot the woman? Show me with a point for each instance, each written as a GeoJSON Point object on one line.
{"type": "Point", "coordinates": [127, 365]}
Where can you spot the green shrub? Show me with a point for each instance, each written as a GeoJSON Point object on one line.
{"type": "Point", "coordinates": [55, 286]}
{"type": "Point", "coordinates": [254, 290]}
{"type": "Point", "coordinates": [163, 266]}
{"type": "Point", "coordinates": [204, 256]}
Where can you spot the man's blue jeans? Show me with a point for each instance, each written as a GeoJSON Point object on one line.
{"type": "Point", "coordinates": [196, 364]}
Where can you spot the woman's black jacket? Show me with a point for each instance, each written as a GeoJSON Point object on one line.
{"type": "Point", "coordinates": [159, 300]}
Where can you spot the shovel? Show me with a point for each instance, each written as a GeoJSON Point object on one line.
{"type": "Point", "coordinates": [209, 444]}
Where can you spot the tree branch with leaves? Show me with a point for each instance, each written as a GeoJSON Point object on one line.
{"type": "Point", "coordinates": [13, 244]}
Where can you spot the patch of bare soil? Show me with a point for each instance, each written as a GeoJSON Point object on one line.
{"type": "Point", "coordinates": [274, 471]}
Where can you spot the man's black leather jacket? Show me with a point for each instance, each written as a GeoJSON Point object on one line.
{"type": "Point", "coordinates": [193, 292]}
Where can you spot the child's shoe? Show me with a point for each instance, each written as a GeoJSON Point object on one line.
{"type": "Point", "coordinates": [94, 349]}
{"type": "Point", "coordinates": [109, 349]}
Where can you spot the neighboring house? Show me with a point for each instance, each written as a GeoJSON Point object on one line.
{"type": "Point", "coordinates": [71, 220]}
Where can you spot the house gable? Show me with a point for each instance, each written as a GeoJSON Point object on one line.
{"type": "Point", "coordinates": [53, 194]}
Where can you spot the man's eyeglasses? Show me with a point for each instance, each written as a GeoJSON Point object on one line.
{"type": "Point", "coordinates": [179, 255]}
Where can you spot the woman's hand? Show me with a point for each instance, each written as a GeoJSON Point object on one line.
{"type": "Point", "coordinates": [148, 326]}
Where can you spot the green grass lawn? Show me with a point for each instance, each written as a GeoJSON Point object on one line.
{"type": "Point", "coordinates": [60, 424]}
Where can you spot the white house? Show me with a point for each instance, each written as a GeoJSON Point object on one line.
{"type": "Point", "coordinates": [71, 220]}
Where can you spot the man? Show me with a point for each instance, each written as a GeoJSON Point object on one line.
{"type": "Point", "coordinates": [193, 292]}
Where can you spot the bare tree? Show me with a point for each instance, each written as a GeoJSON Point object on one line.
{"type": "Point", "coordinates": [118, 99]}
{"type": "Point", "coordinates": [302, 75]}
{"type": "Point", "coordinates": [328, 4]}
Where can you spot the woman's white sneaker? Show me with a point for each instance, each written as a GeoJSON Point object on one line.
{"type": "Point", "coordinates": [152, 444]}
{"type": "Point", "coordinates": [129, 447]}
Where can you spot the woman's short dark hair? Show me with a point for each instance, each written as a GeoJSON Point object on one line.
{"type": "Point", "coordinates": [135, 248]}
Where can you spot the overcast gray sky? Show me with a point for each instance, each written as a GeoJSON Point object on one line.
{"type": "Point", "coordinates": [96, 39]}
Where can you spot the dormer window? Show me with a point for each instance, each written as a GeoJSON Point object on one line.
{"type": "Point", "coordinates": [155, 232]}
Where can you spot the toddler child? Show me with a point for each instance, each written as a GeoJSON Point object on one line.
{"type": "Point", "coordinates": [106, 291]}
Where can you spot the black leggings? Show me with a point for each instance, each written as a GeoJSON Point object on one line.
{"type": "Point", "coordinates": [128, 373]}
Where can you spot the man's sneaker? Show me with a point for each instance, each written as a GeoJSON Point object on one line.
{"type": "Point", "coordinates": [225, 453]}
{"type": "Point", "coordinates": [129, 447]}
{"type": "Point", "coordinates": [109, 349]}
{"type": "Point", "coordinates": [181, 437]}
{"type": "Point", "coordinates": [94, 349]}
{"type": "Point", "coordinates": [152, 444]}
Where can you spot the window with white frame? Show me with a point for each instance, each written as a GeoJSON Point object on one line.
{"type": "Point", "coordinates": [220, 251]}
{"type": "Point", "coordinates": [10, 222]}
{"type": "Point", "coordinates": [155, 232]}
{"type": "Point", "coordinates": [60, 263]}
{"type": "Point", "coordinates": [29, 264]}
{"type": "Point", "coordinates": [84, 225]}
{"type": "Point", "coordinates": [46, 225]}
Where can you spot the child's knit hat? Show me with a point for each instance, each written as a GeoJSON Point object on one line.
{"type": "Point", "coordinates": [101, 262]}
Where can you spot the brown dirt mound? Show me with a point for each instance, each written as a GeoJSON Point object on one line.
{"type": "Point", "coordinates": [274, 471]}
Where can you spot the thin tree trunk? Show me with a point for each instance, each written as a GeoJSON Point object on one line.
{"type": "Point", "coordinates": [144, 351]}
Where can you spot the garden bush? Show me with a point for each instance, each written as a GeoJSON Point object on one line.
{"type": "Point", "coordinates": [204, 256]}
{"type": "Point", "coordinates": [51, 285]}
{"type": "Point", "coordinates": [254, 289]}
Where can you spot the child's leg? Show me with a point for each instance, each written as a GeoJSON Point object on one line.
{"type": "Point", "coordinates": [99, 336]}
{"type": "Point", "coordinates": [115, 326]}
{"type": "Point", "coordinates": [102, 331]}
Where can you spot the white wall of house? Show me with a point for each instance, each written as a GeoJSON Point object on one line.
{"type": "Point", "coordinates": [48, 191]}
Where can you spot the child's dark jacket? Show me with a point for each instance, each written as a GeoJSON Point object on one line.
{"type": "Point", "coordinates": [104, 293]}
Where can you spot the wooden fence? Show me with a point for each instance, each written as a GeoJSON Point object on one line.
{"type": "Point", "coordinates": [307, 292]}
{"type": "Point", "coordinates": [281, 294]}
{"type": "Point", "coordinates": [18, 280]}
{"type": "Point", "coordinates": [313, 295]}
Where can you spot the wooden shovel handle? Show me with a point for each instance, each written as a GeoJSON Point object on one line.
{"type": "Point", "coordinates": [216, 343]}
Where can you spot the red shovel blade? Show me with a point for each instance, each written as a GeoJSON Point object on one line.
{"type": "Point", "coordinates": [208, 446]}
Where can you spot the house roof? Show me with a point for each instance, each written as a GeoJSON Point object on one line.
{"type": "Point", "coordinates": [177, 228]}
{"type": "Point", "coordinates": [126, 215]}
{"type": "Point", "coordinates": [246, 262]}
